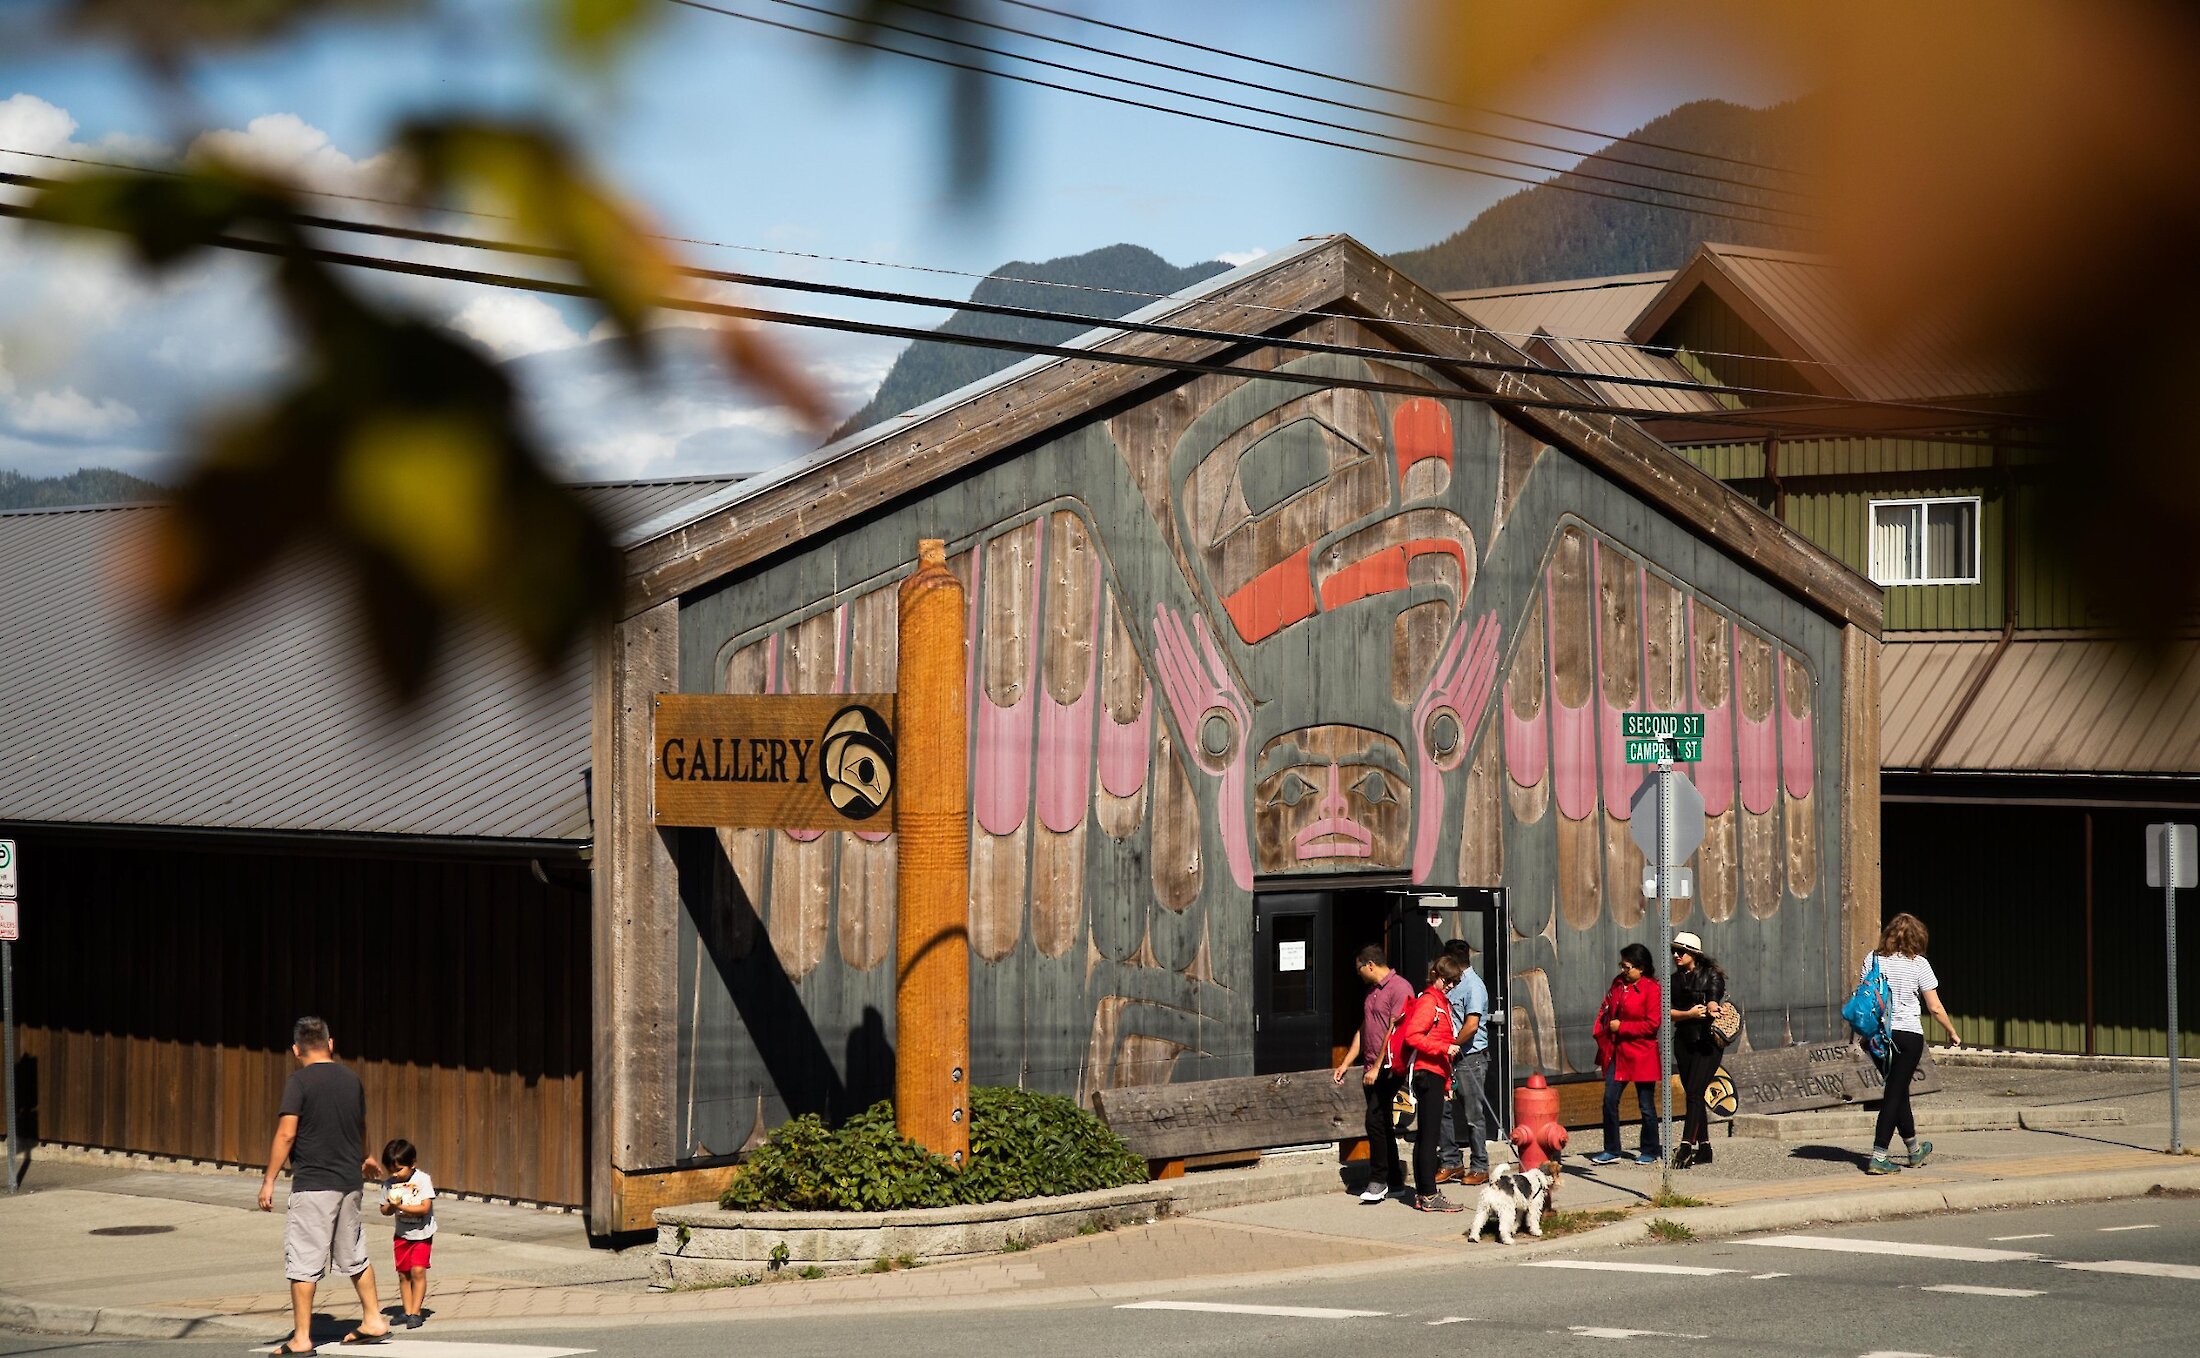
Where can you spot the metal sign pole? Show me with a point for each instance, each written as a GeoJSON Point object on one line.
{"type": "Point", "coordinates": [2169, 914]}
{"type": "Point", "coordinates": [1665, 973]}
{"type": "Point", "coordinates": [7, 1046]}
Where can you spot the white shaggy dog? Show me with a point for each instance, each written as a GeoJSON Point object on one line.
{"type": "Point", "coordinates": [1512, 1192]}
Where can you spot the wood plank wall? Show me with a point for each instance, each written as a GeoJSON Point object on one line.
{"type": "Point", "coordinates": [156, 987]}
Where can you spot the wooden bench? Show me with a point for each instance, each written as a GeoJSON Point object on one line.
{"type": "Point", "coordinates": [1215, 1121]}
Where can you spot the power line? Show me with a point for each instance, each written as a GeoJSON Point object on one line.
{"type": "Point", "coordinates": [1558, 183]}
{"type": "Point", "coordinates": [1198, 73]}
{"type": "Point", "coordinates": [1403, 93]}
{"type": "Point", "coordinates": [1465, 328]}
{"type": "Point", "coordinates": [1370, 353]}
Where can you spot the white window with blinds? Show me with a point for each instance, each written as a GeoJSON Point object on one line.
{"type": "Point", "coordinates": [1925, 542]}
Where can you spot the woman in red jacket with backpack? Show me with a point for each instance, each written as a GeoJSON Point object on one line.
{"type": "Point", "coordinates": [1425, 1037]}
{"type": "Point", "coordinates": [1627, 1049]}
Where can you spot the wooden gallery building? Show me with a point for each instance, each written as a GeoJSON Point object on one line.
{"type": "Point", "coordinates": [1249, 648]}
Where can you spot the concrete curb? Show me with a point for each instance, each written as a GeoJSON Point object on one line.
{"type": "Point", "coordinates": [1708, 1223]}
{"type": "Point", "coordinates": [1838, 1124]}
{"type": "Point", "coordinates": [1992, 1059]}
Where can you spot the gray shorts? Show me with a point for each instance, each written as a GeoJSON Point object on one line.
{"type": "Point", "coordinates": [322, 1229]}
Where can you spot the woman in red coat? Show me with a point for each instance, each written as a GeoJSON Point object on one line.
{"type": "Point", "coordinates": [1627, 1049]}
{"type": "Point", "coordinates": [1425, 1038]}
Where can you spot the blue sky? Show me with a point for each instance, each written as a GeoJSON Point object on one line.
{"type": "Point", "coordinates": [737, 133]}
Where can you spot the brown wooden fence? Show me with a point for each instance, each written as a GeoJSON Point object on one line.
{"type": "Point", "coordinates": [156, 986]}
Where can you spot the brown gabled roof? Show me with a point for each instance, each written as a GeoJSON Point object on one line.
{"type": "Point", "coordinates": [1799, 305]}
{"type": "Point", "coordinates": [718, 534]}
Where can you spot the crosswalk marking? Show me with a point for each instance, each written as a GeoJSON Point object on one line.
{"type": "Point", "coordinates": [2036, 1235]}
{"type": "Point", "coordinates": [1905, 1248]}
{"type": "Point", "coordinates": [1763, 1277]}
{"type": "Point", "coordinates": [1968, 1290]}
{"type": "Point", "coordinates": [1225, 1308]}
{"type": "Point", "coordinates": [1452, 1320]}
{"type": "Point", "coordinates": [1609, 1332]}
{"type": "Point", "coordinates": [1601, 1266]}
{"type": "Point", "coordinates": [445, 1348]}
{"type": "Point", "coordinates": [2148, 1226]}
{"type": "Point", "coordinates": [2135, 1268]}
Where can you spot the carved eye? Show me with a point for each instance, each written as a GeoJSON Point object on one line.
{"type": "Point", "coordinates": [1293, 790]}
{"type": "Point", "coordinates": [1217, 735]}
{"type": "Point", "coordinates": [1445, 737]}
{"type": "Point", "coordinates": [1374, 789]}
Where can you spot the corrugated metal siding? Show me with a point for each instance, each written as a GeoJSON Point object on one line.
{"type": "Point", "coordinates": [2008, 929]}
{"type": "Point", "coordinates": [269, 714]}
{"type": "Point", "coordinates": [1709, 334]}
{"type": "Point", "coordinates": [2051, 705]}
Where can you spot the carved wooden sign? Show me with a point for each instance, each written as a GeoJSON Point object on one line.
{"type": "Point", "coordinates": [1816, 1075]}
{"type": "Point", "coordinates": [807, 761]}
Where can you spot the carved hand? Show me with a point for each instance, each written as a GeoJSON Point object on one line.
{"type": "Point", "coordinates": [1213, 721]}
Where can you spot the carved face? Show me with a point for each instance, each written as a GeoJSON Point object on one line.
{"type": "Point", "coordinates": [1332, 797]}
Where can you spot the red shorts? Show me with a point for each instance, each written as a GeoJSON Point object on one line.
{"type": "Point", "coordinates": [412, 1254]}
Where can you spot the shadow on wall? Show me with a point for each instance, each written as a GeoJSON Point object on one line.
{"type": "Point", "coordinates": [771, 1009]}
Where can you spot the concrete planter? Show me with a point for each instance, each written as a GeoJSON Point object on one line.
{"type": "Point", "coordinates": [702, 1243]}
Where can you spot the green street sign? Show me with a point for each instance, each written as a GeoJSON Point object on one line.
{"type": "Point", "coordinates": [1661, 725]}
{"type": "Point", "coordinates": [1650, 750]}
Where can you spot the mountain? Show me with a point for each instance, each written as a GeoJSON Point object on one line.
{"type": "Point", "coordinates": [85, 486]}
{"type": "Point", "coordinates": [1543, 234]}
{"type": "Point", "coordinates": [1110, 282]}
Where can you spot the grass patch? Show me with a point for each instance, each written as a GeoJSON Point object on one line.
{"type": "Point", "coordinates": [893, 1265]}
{"type": "Point", "coordinates": [1670, 1231]}
{"type": "Point", "coordinates": [811, 1271]}
{"type": "Point", "coordinates": [1569, 1223]}
{"type": "Point", "coordinates": [738, 1280]}
{"type": "Point", "coordinates": [1015, 1244]}
{"type": "Point", "coordinates": [1666, 1197]}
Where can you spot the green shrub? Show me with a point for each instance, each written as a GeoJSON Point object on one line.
{"type": "Point", "coordinates": [1022, 1145]}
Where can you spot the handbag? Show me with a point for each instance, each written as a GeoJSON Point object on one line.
{"type": "Point", "coordinates": [1728, 1025]}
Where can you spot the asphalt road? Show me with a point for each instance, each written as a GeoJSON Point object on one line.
{"type": "Point", "coordinates": [2108, 1279]}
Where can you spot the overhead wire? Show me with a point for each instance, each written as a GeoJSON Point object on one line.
{"type": "Point", "coordinates": [1604, 154]}
{"type": "Point", "coordinates": [1392, 89]}
{"type": "Point", "coordinates": [1465, 327]}
{"type": "Point", "coordinates": [1558, 182]}
{"type": "Point", "coordinates": [1738, 416]}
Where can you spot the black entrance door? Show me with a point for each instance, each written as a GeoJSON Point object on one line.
{"type": "Point", "coordinates": [1293, 981]}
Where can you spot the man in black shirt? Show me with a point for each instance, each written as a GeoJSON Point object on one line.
{"type": "Point", "coordinates": [322, 1132]}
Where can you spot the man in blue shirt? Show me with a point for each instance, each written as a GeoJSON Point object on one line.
{"type": "Point", "coordinates": [1467, 1106]}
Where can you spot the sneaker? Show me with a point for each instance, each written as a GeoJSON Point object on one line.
{"type": "Point", "coordinates": [1436, 1202]}
{"type": "Point", "coordinates": [1604, 1158]}
{"type": "Point", "coordinates": [1920, 1152]}
{"type": "Point", "coordinates": [1646, 1158]}
{"type": "Point", "coordinates": [1702, 1155]}
{"type": "Point", "coordinates": [1375, 1193]}
{"type": "Point", "coordinates": [1880, 1164]}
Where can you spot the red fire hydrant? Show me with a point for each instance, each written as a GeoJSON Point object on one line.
{"type": "Point", "coordinates": [1536, 1134]}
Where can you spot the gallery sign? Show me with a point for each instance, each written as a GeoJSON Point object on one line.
{"type": "Point", "coordinates": [798, 761]}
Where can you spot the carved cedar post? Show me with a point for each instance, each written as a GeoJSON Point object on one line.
{"type": "Point", "coordinates": [932, 824]}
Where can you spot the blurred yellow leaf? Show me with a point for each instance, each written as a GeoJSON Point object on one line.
{"type": "Point", "coordinates": [595, 31]}
{"type": "Point", "coordinates": [423, 488]}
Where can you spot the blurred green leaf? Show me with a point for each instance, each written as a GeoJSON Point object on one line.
{"type": "Point", "coordinates": [166, 29]}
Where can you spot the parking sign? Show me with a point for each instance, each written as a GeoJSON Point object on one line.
{"type": "Point", "coordinates": [7, 869]}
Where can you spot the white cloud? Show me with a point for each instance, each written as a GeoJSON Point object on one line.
{"type": "Point", "coordinates": [1236, 258]}
{"type": "Point", "coordinates": [285, 144]}
{"type": "Point", "coordinates": [513, 325]}
{"type": "Point", "coordinates": [69, 413]}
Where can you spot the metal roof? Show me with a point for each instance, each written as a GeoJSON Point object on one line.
{"type": "Point", "coordinates": [1583, 308]}
{"type": "Point", "coordinates": [2052, 703]}
{"type": "Point", "coordinates": [268, 715]}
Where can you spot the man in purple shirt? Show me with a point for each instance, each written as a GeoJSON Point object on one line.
{"type": "Point", "coordinates": [1387, 996]}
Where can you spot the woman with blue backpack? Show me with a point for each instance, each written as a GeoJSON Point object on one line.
{"type": "Point", "coordinates": [1899, 984]}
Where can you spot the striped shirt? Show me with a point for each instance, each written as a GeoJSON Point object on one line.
{"type": "Point", "coordinates": [1907, 978]}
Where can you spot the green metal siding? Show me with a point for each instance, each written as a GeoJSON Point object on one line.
{"type": "Point", "coordinates": [2008, 927]}
{"type": "Point", "coordinates": [1706, 335]}
{"type": "Point", "coordinates": [1837, 517]}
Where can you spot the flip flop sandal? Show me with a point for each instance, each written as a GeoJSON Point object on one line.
{"type": "Point", "coordinates": [285, 1348]}
{"type": "Point", "coordinates": [356, 1338]}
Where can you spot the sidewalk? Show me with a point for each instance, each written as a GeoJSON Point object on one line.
{"type": "Point", "coordinates": [215, 1269]}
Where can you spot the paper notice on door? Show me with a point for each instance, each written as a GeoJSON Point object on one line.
{"type": "Point", "coordinates": [1291, 956]}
